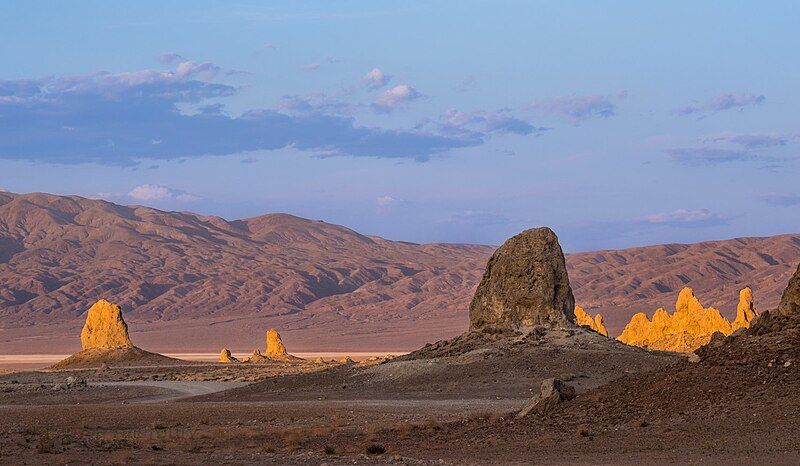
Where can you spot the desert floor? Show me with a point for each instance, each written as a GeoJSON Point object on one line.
{"type": "Point", "coordinates": [450, 403]}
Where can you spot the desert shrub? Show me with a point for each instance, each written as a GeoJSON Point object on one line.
{"type": "Point", "coordinates": [329, 450]}
{"type": "Point", "coordinates": [376, 449]}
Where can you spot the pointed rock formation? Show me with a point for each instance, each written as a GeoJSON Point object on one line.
{"type": "Point", "coordinates": [105, 327]}
{"type": "Point", "coordinates": [226, 356]}
{"type": "Point", "coordinates": [583, 319]}
{"type": "Point", "coordinates": [745, 310]}
{"type": "Point", "coordinates": [689, 327]}
{"type": "Point", "coordinates": [275, 348]}
{"type": "Point", "coordinates": [525, 284]}
{"type": "Point", "coordinates": [105, 341]}
{"type": "Point", "coordinates": [790, 300]}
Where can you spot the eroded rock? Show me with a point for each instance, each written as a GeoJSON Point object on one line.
{"type": "Point", "coordinates": [688, 328]}
{"type": "Point", "coordinates": [105, 327]}
{"type": "Point", "coordinates": [525, 284]}
{"type": "Point", "coordinates": [226, 356]}
{"type": "Point", "coordinates": [551, 393]}
{"type": "Point", "coordinates": [790, 300]}
{"type": "Point", "coordinates": [275, 347]}
{"type": "Point", "coordinates": [595, 323]}
{"type": "Point", "coordinates": [745, 310]}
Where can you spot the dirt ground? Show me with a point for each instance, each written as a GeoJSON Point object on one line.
{"type": "Point", "coordinates": [452, 402]}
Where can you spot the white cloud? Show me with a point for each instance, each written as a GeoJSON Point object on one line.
{"type": "Point", "coordinates": [376, 79]}
{"type": "Point", "coordinates": [686, 217]}
{"type": "Point", "coordinates": [396, 97]}
{"type": "Point", "coordinates": [387, 200]}
{"type": "Point", "coordinates": [153, 192]}
{"type": "Point", "coordinates": [310, 67]}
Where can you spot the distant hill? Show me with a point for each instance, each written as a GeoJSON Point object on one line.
{"type": "Point", "coordinates": [189, 282]}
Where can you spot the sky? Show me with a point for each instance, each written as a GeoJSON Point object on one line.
{"type": "Point", "coordinates": [616, 123]}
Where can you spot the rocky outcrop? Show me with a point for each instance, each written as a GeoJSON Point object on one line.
{"type": "Point", "coordinates": [275, 347]}
{"type": "Point", "coordinates": [525, 284]}
{"type": "Point", "coordinates": [790, 300]}
{"type": "Point", "coordinates": [105, 327]}
{"type": "Point", "coordinates": [745, 310]}
{"type": "Point", "coordinates": [226, 356]}
{"type": "Point", "coordinates": [595, 323]}
{"type": "Point", "coordinates": [689, 327]}
{"type": "Point", "coordinates": [551, 393]}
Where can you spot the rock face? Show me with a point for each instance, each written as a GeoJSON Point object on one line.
{"type": "Point", "coordinates": [745, 310]}
{"type": "Point", "coordinates": [689, 327]}
{"type": "Point", "coordinates": [583, 319]}
{"type": "Point", "coordinates": [552, 392]}
{"type": "Point", "coordinates": [105, 327]}
{"type": "Point", "coordinates": [525, 284]}
{"type": "Point", "coordinates": [275, 348]}
{"type": "Point", "coordinates": [226, 356]}
{"type": "Point", "coordinates": [790, 301]}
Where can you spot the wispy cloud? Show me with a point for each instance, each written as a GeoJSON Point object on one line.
{"type": "Point", "coordinates": [397, 97]}
{"type": "Point", "coordinates": [694, 156]}
{"type": "Point", "coordinates": [153, 192]}
{"type": "Point", "coordinates": [122, 118]}
{"type": "Point", "coordinates": [310, 67]}
{"type": "Point", "coordinates": [454, 121]}
{"type": "Point", "coordinates": [780, 200]}
{"type": "Point", "coordinates": [752, 140]}
{"type": "Point", "coordinates": [686, 218]}
{"type": "Point", "coordinates": [478, 218]}
{"type": "Point", "coordinates": [722, 102]}
{"type": "Point", "coordinates": [375, 79]}
{"type": "Point", "coordinates": [578, 108]}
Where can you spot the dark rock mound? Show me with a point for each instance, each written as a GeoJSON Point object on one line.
{"type": "Point", "coordinates": [525, 284]}
{"type": "Point", "coordinates": [790, 301]}
{"type": "Point", "coordinates": [120, 357]}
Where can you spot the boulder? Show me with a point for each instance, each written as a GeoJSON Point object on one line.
{"type": "Point", "coordinates": [525, 284]}
{"type": "Point", "coordinates": [583, 319]}
{"type": "Point", "coordinates": [275, 348]}
{"type": "Point", "coordinates": [790, 301]}
{"type": "Point", "coordinates": [105, 327]}
{"type": "Point", "coordinates": [551, 393]}
{"type": "Point", "coordinates": [745, 310]}
{"type": "Point", "coordinates": [226, 356]}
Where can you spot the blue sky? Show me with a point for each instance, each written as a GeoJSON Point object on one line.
{"type": "Point", "coordinates": [616, 123]}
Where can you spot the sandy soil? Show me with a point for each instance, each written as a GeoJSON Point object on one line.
{"type": "Point", "coordinates": [453, 402]}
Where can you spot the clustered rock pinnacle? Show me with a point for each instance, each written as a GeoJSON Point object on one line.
{"type": "Point", "coordinates": [275, 351]}
{"type": "Point", "coordinates": [595, 323]}
{"type": "Point", "coordinates": [525, 284]}
{"type": "Point", "coordinates": [689, 327]}
{"type": "Point", "coordinates": [105, 328]}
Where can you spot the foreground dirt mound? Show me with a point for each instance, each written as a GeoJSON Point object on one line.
{"type": "Point", "coordinates": [525, 284]}
{"type": "Point", "coordinates": [742, 398]}
{"type": "Point", "coordinates": [122, 357]}
{"type": "Point", "coordinates": [472, 366]}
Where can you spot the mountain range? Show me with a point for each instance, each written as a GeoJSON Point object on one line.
{"type": "Point", "coordinates": [194, 283]}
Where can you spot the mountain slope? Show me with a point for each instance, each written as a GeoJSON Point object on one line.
{"type": "Point", "coordinates": [195, 283]}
